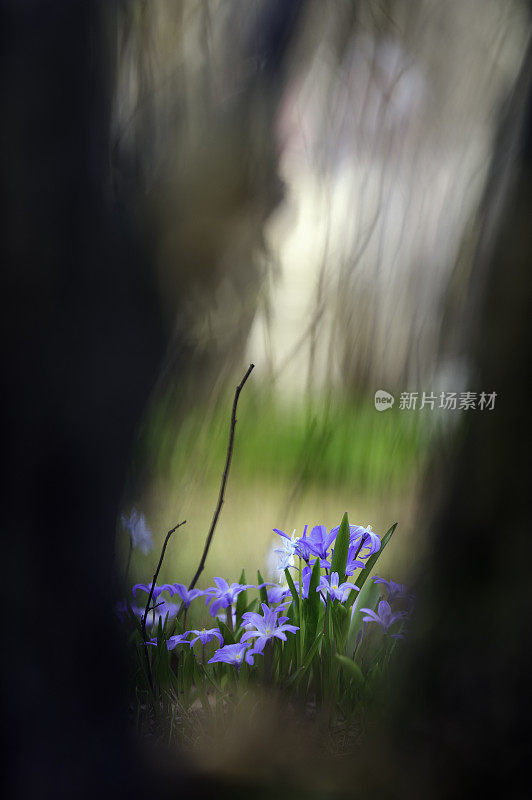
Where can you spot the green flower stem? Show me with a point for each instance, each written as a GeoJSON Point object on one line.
{"type": "Point", "coordinates": [300, 613]}
{"type": "Point", "coordinates": [229, 617]}
{"type": "Point", "coordinates": [268, 662]}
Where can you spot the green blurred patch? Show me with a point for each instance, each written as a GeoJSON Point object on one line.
{"type": "Point", "coordinates": [292, 465]}
{"type": "Point", "coordinates": [346, 443]}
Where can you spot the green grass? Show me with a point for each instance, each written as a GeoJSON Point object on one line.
{"type": "Point", "coordinates": [342, 444]}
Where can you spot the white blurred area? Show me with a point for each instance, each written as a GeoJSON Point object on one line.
{"type": "Point", "coordinates": [383, 130]}
{"type": "Point", "coordinates": [385, 146]}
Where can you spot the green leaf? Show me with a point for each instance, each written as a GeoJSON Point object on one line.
{"type": "Point", "coordinates": [209, 678]}
{"type": "Point", "coordinates": [299, 673]}
{"type": "Point", "coordinates": [341, 547]}
{"type": "Point", "coordinates": [136, 621]}
{"type": "Point", "coordinates": [367, 598]}
{"type": "Point", "coordinates": [340, 619]}
{"type": "Point", "coordinates": [200, 686]}
{"type": "Point", "coordinates": [253, 606]}
{"type": "Point", "coordinates": [241, 600]}
{"type": "Point", "coordinates": [188, 672]}
{"type": "Point", "coordinates": [292, 680]}
{"type": "Point", "coordinates": [297, 615]}
{"type": "Point", "coordinates": [351, 670]}
{"type": "Point", "coordinates": [291, 647]}
{"type": "Point", "coordinates": [263, 592]}
{"type": "Point", "coordinates": [311, 606]}
{"type": "Point", "coordinates": [293, 592]}
{"type": "Point", "coordinates": [312, 651]}
{"type": "Point", "coordinates": [291, 613]}
{"type": "Point", "coordinates": [340, 611]}
{"type": "Point", "coordinates": [227, 634]}
{"type": "Point", "coordinates": [365, 573]}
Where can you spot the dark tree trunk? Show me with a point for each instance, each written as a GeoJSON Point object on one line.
{"type": "Point", "coordinates": [82, 340]}
{"type": "Point", "coordinates": [82, 343]}
{"type": "Point", "coordinates": [464, 706]}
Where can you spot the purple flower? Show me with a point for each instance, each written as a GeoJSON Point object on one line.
{"type": "Point", "coordinates": [285, 556]}
{"type": "Point", "coordinates": [233, 654]}
{"type": "Point", "coordinates": [352, 562]}
{"type": "Point", "coordinates": [294, 546]}
{"type": "Point", "coordinates": [357, 534]}
{"type": "Point", "coordinates": [146, 587]}
{"type": "Point", "coordinates": [368, 538]}
{"type": "Point", "coordinates": [384, 617]}
{"type": "Point", "coordinates": [264, 585]}
{"type": "Point", "coordinates": [319, 542]}
{"type": "Point", "coordinates": [181, 638]}
{"type": "Point", "coordinates": [139, 532]}
{"type": "Point", "coordinates": [303, 548]}
{"type": "Point", "coordinates": [266, 626]}
{"type": "Point", "coordinates": [205, 636]}
{"type": "Point", "coordinates": [186, 596]}
{"type": "Point", "coordinates": [395, 590]}
{"type": "Point", "coordinates": [329, 586]}
{"type": "Point", "coordinates": [159, 612]}
{"type": "Point", "coordinates": [306, 575]}
{"type": "Point", "coordinates": [305, 582]}
{"type": "Point", "coordinates": [223, 595]}
{"type": "Point", "coordinates": [276, 594]}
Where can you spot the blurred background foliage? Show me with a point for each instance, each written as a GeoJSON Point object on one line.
{"type": "Point", "coordinates": [315, 210]}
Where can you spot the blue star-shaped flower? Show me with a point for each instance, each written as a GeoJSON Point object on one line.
{"type": "Point", "coordinates": [223, 595]}
{"type": "Point", "coordinates": [384, 617]}
{"type": "Point", "coordinates": [186, 596]}
{"type": "Point", "coordinates": [267, 626]}
{"type": "Point", "coordinates": [234, 654]}
{"type": "Point", "coordinates": [205, 636]}
{"type": "Point", "coordinates": [329, 586]}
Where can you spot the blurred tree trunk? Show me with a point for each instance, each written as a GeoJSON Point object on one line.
{"type": "Point", "coordinates": [463, 707]}
{"type": "Point", "coordinates": [82, 344]}
{"type": "Point", "coordinates": [82, 341]}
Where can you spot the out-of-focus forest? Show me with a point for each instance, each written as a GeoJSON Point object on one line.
{"type": "Point", "coordinates": [319, 217]}
{"type": "Point", "coordinates": [340, 194]}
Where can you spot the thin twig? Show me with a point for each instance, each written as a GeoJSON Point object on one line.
{"type": "Point", "coordinates": [145, 615]}
{"type": "Point", "coordinates": [156, 606]}
{"type": "Point", "coordinates": [224, 480]}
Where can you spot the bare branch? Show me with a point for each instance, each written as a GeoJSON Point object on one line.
{"type": "Point", "coordinates": [145, 615]}
{"type": "Point", "coordinates": [224, 480]}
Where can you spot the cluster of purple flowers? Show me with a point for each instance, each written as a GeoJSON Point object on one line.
{"type": "Point", "coordinates": [384, 616]}
{"type": "Point", "coordinates": [256, 630]}
{"type": "Point", "coordinates": [260, 627]}
{"type": "Point", "coordinates": [363, 543]}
